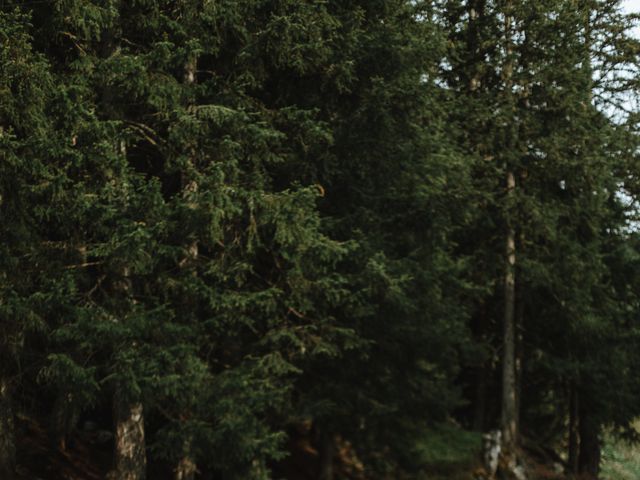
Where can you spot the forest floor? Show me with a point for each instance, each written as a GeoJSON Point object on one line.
{"type": "Point", "coordinates": [448, 453]}
{"type": "Point", "coordinates": [451, 453]}
{"type": "Point", "coordinates": [39, 459]}
{"type": "Point", "coordinates": [445, 453]}
{"type": "Point", "coordinates": [620, 459]}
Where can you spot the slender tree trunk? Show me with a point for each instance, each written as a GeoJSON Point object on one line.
{"type": "Point", "coordinates": [519, 354]}
{"type": "Point", "coordinates": [129, 455]}
{"type": "Point", "coordinates": [327, 454]}
{"type": "Point", "coordinates": [130, 459]}
{"type": "Point", "coordinates": [509, 420]}
{"type": "Point", "coordinates": [7, 432]}
{"type": "Point", "coordinates": [573, 430]}
{"type": "Point", "coordinates": [509, 404]}
{"type": "Point", "coordinates": [64, 419]}
{"type": "Point", "coordinates": [190, 185]}
{"type": "Point", "coordinates": [475, 9]}
{"type": "Point", "coordinates": [589, 456]}
{"type": "Point", "coordinates": [187, 468]}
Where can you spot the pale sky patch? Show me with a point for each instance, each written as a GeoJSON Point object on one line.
{"type": "Point", "coordinates": [632, 5]}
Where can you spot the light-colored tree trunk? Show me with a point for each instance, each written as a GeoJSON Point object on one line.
{"type": "Point", "coordinates": [519, 341]}
{"type": "Point", "coordinates": [509, 402]}
{"type": "Point", "coordinates": [7, 432]}
{"type": "Point", "coordinates": [130, 460]}
{"type": "Point", "coordinates": [130, 456]}
{"type": "Point", "coordinates": [187, 468]}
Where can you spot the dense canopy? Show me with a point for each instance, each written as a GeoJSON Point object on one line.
{"type": "Point", "coordinates": [231, 227]}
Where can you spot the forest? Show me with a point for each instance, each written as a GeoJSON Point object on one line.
{"type": "Point", "coordinates": [292, 239]}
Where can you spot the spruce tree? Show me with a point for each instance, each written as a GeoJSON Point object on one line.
{"type": "Point", "coordinates": [530, 94]}
{"type": "Point", "coordinates": [27, 182]}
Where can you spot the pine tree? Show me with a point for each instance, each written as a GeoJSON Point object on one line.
{"type": "Point", "coordinates": [390, 177]}
{"type": "Point", "coordinates": [210, 346]}
{"type": "Point", "coordinates": [223, 218]}
{"type": "Point", "coordinates": [529, 94]}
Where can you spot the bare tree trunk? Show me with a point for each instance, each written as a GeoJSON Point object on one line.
{"type": "Point", "coordinates": [509, 404]}
{"type": "Point", "coordinates": [130, 456]}
{"type": "Point", "coordinates": [519, 341]}
{"type": "Point", "coordinates": [7, 432]}
{"type": "Point", "coordinates": [573, 430]}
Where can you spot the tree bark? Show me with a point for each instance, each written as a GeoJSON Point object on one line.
{"type": "Point", "coordinates": [186, 469]}
{"type": "Point", "coordinates": [7, 432]}
{"type": "Point", "coordinates": [130, 456]}
{"type": "Point", "coordinates": [130, 462]}
{"type": "Point", "coordinates": [509, 404]}
{"type": "Point", "coordinates": [519, 348]}
{"type": "Point", "coordinates": [475, 9]}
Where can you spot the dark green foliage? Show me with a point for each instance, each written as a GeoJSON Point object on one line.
{"type": "Point", "coordinates": [246, 215]}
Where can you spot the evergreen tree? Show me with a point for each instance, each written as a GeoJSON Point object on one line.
{"type": "Point", "coordinates": [27, 182]}
{"type": "Point", "coordinates": [529, 91]}
{"type": "Point", "coordinates": [223, 219]}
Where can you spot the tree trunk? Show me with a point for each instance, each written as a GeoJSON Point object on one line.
{"type": "Point", "coordinates": [589, 456]}
{"type": "Point", "coordinates": [186, 469]}
{"type": "Point", "coordinates": [476, 11]}
{"type": "Point", "coordinates": [327, 454]}
{"type": "Point", "coordinates": [64, 419]}
{"type": "Point", "coordinates": [509, 404]}
{"type": "Point", "coordinates": [129, 455]}
{"type": "Point", "coordinates": [509, 401]}
{"type": "Point", "coordinates": [519, 341]}
{"type": "Point", "coordinates": [572, 461]}
{"type": "Point", "coordinates": [7, 433]}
